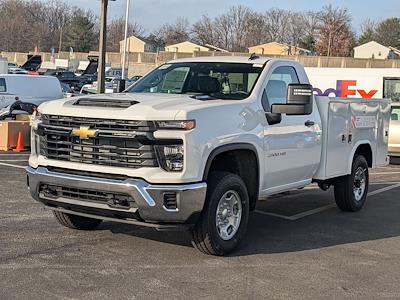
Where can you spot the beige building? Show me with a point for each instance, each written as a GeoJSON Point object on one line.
{"type": "Point", "coordinates": [189, 47]}
{"type": "Point", "coordinates": [275, 48]}
{"type": "Point", "coordinates": [375, 50]}
{"type": "Point", "coordinates": [136, 44]}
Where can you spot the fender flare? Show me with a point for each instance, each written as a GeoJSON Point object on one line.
{"type": "Point", "coordinates": [353, 152]}
{"type": "Point", "coordinates": [230, 147]}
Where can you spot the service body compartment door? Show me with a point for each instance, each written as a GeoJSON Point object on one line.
{"type": "Point", "coordinates": [338, 146]}
{"type": "Point", "coordinates": [383, 134]}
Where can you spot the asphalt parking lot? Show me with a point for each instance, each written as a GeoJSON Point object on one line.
{"type": "Point", "coordinates": [299, 245]}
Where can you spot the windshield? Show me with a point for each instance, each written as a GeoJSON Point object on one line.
{"type": "Point", "coordinates": [233, 81]}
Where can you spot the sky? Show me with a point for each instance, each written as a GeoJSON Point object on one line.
{"type": "Point", "coordinates": [153, 13]}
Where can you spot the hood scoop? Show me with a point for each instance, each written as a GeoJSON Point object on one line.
{"type": "Point", "coordinates": [94, 102]}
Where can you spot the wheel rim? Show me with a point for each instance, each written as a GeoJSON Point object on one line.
{"type": "Point", "coordinates": [360, 183]}
{"type": "Point", "coordinates": [229, 215]}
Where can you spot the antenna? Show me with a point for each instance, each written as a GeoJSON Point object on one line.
{"type": "Point", "coordinates": [253, 56]}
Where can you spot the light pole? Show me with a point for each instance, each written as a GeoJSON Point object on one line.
{"type": "Point", "coordinates": [102, 46]}
{"type": "Point", "coordinates": [128, 2]}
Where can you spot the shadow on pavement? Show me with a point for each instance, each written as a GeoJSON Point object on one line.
{"type": "Point", "coordinates": [267, 234]}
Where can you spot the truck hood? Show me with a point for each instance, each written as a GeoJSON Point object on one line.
{"type": "Point", "coordinates": [127, 106]}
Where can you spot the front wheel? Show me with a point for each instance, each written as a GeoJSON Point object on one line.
{"type": "Point", "coordinates": [76, 222]}
{"type": "Point", "coordinates": [351, 191]}
{"type": "Point", "coordinates": [223, 221]}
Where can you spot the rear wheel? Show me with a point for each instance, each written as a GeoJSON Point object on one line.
{"type": "Point", "coordinates": [351, 191]}
{"type": "Point", "coordinates": [223, 221]}
{"type": "Point", "coordinates": [76, 222]}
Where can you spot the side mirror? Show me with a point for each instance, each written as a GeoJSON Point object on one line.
{"type": "Point", "coordinates": [273, 119]}
{"type": "Point", "coordinates": [299, 101]}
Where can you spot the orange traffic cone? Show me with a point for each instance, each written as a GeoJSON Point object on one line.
{"type": "Point", "coordinates": [20, 143]}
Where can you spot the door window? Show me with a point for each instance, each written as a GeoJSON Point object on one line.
{"type": "Point", "coordinates": [276, 89]}
{"type": "Point", "coordinates": [3, 87]}
{"type": "Point", "coordinates": [391, 88]}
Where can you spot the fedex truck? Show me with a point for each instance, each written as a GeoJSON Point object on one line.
{"type": "Point", "coordinates": [354, 82]}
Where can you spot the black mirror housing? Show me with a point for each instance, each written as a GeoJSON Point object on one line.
{"type": "Point", "coordinates": [299, 101]}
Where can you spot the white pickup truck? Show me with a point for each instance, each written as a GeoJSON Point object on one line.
{"type": "Point", "coordinates": [195, 143]}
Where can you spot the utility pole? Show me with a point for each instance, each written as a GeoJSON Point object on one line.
{"type": "Point", "coordinates": [102, 47]}
{"type": "Point", "coordinates": [60, 44]}
{"type": "Point", "coordinates": [125, 38]}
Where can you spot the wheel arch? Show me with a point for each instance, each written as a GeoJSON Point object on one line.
{"type": "Point", "coordinates": [363, 148]}
{"type": "Point", "coordinates": [238, 158]}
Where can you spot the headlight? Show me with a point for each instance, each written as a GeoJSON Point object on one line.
{"type": "Point", "coordinates": [171, 157]}
{"type": "Point", "coordinates": [180, 125]}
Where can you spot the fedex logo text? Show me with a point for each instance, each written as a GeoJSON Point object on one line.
{"type": "Point", "coordinates": [344, 89]}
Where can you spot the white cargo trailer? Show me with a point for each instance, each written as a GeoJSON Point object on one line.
{"type": "Point", "coordinates": [356, 82]}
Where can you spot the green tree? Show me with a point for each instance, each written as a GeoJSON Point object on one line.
{"type": "Point", "coordinates": [388, 32]}
{"type": "Point", "coordinates": [368, 32]}
{"type": "Point", "coordinates": [82, 32]}
{"type": "Point", "coordinates": [308, 42]}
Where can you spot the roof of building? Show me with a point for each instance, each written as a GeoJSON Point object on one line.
{"type": "Point", "coordinates": [281, 44]}
{"type": "Point", "coordinates": [210, 47]}
{"type": "Point", "coordinates": [143, 39]}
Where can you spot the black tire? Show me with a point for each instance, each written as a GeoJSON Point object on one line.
{"type": "Point", "coordinates": [205, 233]}
{"type": "Point", "coordinates": [344, 193]}
{"type": "Point", "coordinates": [76, 222]}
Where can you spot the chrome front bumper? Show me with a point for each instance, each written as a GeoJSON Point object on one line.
{"type": "Point", "coordinates": [149, 199]}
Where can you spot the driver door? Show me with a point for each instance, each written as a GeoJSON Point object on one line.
{"type": "Point", "coordinates": [291, 147]}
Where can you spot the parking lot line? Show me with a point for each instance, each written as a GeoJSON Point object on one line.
{"type": "Point", "coordinates": [13, 160]}
{"type": "Point", "coordinates": [12, 166]}
{"type": "Point", "coordinates": [385, 189]}
{"type": "Point", "coordinates": [323, 208]}
{"type": "Point", "coordinates": [384, 173]}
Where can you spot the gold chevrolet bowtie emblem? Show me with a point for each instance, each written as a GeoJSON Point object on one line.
{"type": "Point", "coordinates": [84, 132]}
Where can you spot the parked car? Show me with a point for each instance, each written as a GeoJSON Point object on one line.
{"type": "Point", "coordinates": [394, 132]}
{"type": "Point", "coordinates": [73, 81]}
{"type": "Point", "coordinates": [13, 69]}
{"type": "Point", "coordinates": [26, 89]}
{"type": "Point", "coordinates": [196, 142]}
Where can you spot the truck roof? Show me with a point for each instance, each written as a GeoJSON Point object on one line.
{"type": "Point", "coordinates": [224, 59]}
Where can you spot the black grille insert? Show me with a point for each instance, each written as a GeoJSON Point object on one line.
{"type": "Point", "coordinates": [115, 200]}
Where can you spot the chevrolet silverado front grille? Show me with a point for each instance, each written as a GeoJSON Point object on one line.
{"type": "Point", "coordinates": [100, 124]}
{"type": "Point", "coordinates": [128, 144]}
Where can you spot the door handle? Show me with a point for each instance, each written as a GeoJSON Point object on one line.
{"type": "Point", "coordinates": [309, 123]}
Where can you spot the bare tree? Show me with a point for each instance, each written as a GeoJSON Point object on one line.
{"type": "Point", "coordinates": [177, 32]}
{"type": "Point", "coordinates": [204, 31]}
{"type": "Point", "coordinates": [335, 36]}
{"type": "Point", "coordinates": [278, 21]}
{"type": "Point", "coordinates": [116, 33]}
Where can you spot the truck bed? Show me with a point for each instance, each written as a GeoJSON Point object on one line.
{"type": "Point", "coordinates": [346, 124]}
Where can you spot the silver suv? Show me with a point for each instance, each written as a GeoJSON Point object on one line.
{"type": "Point", "coordinates": [394, 136]}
